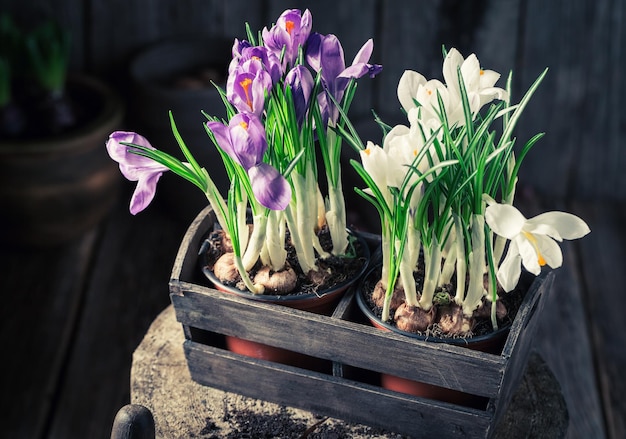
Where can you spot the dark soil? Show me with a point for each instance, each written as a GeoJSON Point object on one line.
{"type": "Point", "coordinates": [337, 269]}
{"type": "Point", "coordinates": [247, 424]}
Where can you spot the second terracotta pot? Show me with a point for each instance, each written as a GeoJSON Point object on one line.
{"type": "Point", "coordinates": [490, 343]}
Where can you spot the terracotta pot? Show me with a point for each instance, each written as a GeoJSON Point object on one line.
{"type": "Point", "coordinates": [491, 343]}
{"type": "Point", "coordinates": [323, 302]}
{"type": "Point", "coordinates": [53, 189]}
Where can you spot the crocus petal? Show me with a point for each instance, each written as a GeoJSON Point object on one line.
{"type": "Point", "coordinates": [550, 251]}
{"type": "Point", "coordinates": [145, 171]}
{"type": "Point", "coordinates": [291, 31]}
{"type": "Point", "coordinates": [248, 139]}
{"type": "Point", "coordinates": [222, 136]}
{"type": "Point", "coordinates": [374, 161]}
{"type": "Point", "coordinates": [144, 193]}
{"type": "Point", "coordinates": [132, 166]}
{"type": "Point", "coordinates": [332, 59]}
{"type": "Point", "coordinates": [470, 69]}
{"type": "Point", "coordinates": [451, 63]}
{"type": "Point", "coordinates": [529, 255]}
{"type": "Point", "coordinates": [504, 220]}
{"type": "Point", "coordinates": [569, 226]}
{"type": "Point", "coordinates": [510, 270]}
{"type": "Point", "coordinates": [301, 82]}
{"type": "Point", "coordinates": [243, 139]}
{"type": "Point", "coordinates": [269, 187]}
{"type": "Point", "coordinates": [314, 51]}
{"type": "Point", "coordinates": [407, 88]}
{"type": "Point", "coordinates": [364, 53]}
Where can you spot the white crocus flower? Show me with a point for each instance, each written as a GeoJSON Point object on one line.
{"type": "Point", "coordinates": [414, 87]}
{"type": "Point", "coordinates": [408, 85]}
{"type": "Point", "coordinates": [533, 241]}
{"type": "Point", "coordinates": [398, 147]}
{"type": "Point", "coordinates": [382, 168]}
{"type": "Point", "coordinates": [479, 83]}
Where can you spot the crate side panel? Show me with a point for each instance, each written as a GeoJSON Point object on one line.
{"type": "Point", "coordinates": [348, 400]}
{"type": "Point", "coordinates": [186, 262]}
{"type": "Point", "coordinates": [342, 341]}
{"type": "Point", "coordinates": [525, 330]}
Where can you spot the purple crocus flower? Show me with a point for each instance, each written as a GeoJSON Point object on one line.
{"type": "Point", "coordinates": [236, 51]}
{"type": "Point", "coordinates": [146, 172]}
{"type": "Point", "coordinates": [270, 61]}
{"type": "Point", "coordinates": [301, 82]}
{"type": "Point", "coordinates": [325, 53]}
{"type": "Point", "coordinates": [292, 29]}
{"type": "Point", "coordinates": [243, 139]}
{"type": "Point", "coordinates": [246, 86]}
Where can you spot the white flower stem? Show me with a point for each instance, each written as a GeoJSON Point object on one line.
{"type": "Point", "coordinates": [432, 259]}
{"type": "Point", "coordinates": [476, 290]}
{"type": "Point", "coordinates": [296, 240]}
{"type": "Point", "coordinates": [217, 203]}
{"type": "Point", "coordinates": [245, 277]}
{"type": "Point", "coordinates": [461, 264]}
{"type": "Point", "coordinates": [303, 225]}
{"type": "Point", "coordinates": [448, 266]}
{"type": "Point", "coordinates": [256, 242]}
{"type": "Point", "coordinates": [242, 224]}
{"type": "Point", "coordinates": [336, 219]}
{"type": "Point", "coordinates": [406, 277]}
{"type": "Point", "coordinates": [275, 242]}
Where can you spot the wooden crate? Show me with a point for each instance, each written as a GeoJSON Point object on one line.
{"type": "Point", "coordinates": [357, 353]}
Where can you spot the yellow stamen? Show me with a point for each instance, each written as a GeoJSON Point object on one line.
{"type": "Point", "coordinates": [531, 238]}
{"type": "Point", "coordinates": [245, 84]}
{"type": "Point", "coordinates": [367, 151]}
{"type": "Point", "coordinates": [482, 72]}
{"type": "Point", "coordinates": [415, 152]}
{"type": "Point", "coordinates": [289, 25]}
{"type": "Point", "coordinates": [243, 124]}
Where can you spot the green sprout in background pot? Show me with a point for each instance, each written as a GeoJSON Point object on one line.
{"type": "Point", "coordinates": [48, 50]}
{"type": "Point", "coordinates": [12, 118]}
{"type": "Point", "coordinates": [444, 187]}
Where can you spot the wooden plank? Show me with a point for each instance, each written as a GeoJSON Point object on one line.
{"type": "Point", "coordinates": [127, 289]}
{"type": "Point", "coordinates": [42, 296]}
{"type": "Point", "coordinates": [439, 364]}
{"type": "Point", "coordinates": [601, 258]}
{"type": "Point", "coordinates": [326, 394]}
{"type": "Point", "coordinates": [522, 340]}
{"type": "Point", "coordinates": [161, 381]}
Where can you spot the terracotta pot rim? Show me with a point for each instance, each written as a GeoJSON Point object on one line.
{"type": "Point", "coordinates": [459, 341]}
{"type": "Point", "coordinates": [109, 119]}
{"type": "Point", "coordinates": [291, 298]}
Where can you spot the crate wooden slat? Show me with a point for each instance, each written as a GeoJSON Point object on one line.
{"type": "Point", "coordinates": [207, 314]}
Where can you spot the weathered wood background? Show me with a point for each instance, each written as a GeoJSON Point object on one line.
{"type": "Point", "coordinates": [74, 315]}
{"type": "Point", "coordinates": [582, 42]}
